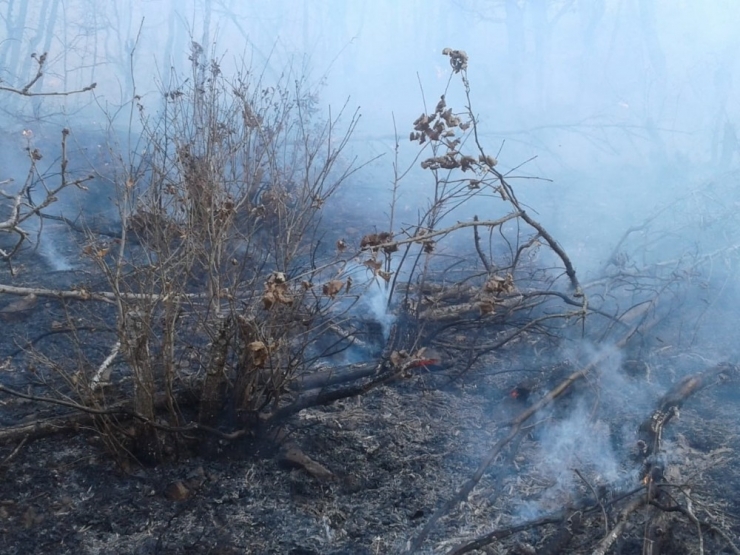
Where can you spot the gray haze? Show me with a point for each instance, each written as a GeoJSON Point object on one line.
{"type": "Point", "coordinates": [624, 103]}
{"type": "Point", "coordinates": [603, 111]}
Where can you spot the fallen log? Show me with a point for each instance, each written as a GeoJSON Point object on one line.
{"type": "Point", "coordinates": [333, 376]}
{"type": "Point", "coordinates": [651, 429]}
{"type": "Point", "coordinates": [37, 429]}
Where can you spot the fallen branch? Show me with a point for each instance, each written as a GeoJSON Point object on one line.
{"type": "Point", "coordinates": [85, 415]}
{"type": "Point", "coordinates": [616, 531]}
{"type": "Point", "coordinates": [502, 533]}
{"type": "Point", "coordinates": [383, 372]}
{"type": "Point", "coordinates": [651, 429]}
{"type": "Point", "coordinates": [85, 295]}
{"type": "Point", "coordinates": [14, 453]}
{"type": "Point", "coordinates": [583, 506]}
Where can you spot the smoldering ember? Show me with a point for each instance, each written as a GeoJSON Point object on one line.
{"type": "Point", "coordinates": [369, 277]}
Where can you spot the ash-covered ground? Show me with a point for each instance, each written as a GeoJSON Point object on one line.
{"type": "Point", "coordinates": [396, 454]}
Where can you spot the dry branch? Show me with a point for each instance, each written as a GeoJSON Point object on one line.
{"type": "Point", "coordinates": [85, 295]}
{"type": "Point", "coordinates": [616, 531]}
{"type": "Point", "coordinates": [502, 533]}
{"type": "Point", "coordinates": [651, 430]}
{"type": "Point", "coordinates": [26, 89]}
{"type": "Point", "coordinates": [422, 237]}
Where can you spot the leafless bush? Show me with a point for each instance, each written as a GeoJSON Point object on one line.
{"type": "Point", "coordinates": [40, 188]}
{"type": "Point", "coordinates": [227, 305]}
{"type": "Point", "coordinates": [216, 276]}
{"type": "Point", "coordinates": [506, 278]}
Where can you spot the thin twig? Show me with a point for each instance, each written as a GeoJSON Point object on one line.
{"type": "Point", "coordinates": [596, 496]}
{"type": "Point", "coordinates": [481, 254]}
{"type": "Point", "coordinates": [15, 452]}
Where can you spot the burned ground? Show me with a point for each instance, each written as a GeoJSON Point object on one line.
{"type": "Point", "coordinates": [395, 454]}
{"type": "Point", "coordinates": [514, 408]}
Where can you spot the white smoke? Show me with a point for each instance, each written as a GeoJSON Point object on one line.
{"type": "Point", "coordinates": [578, 443]}
{"type": "Point", "coordinates": [582, 443]}
{"type": "Point", "coordinates": [376, 301]}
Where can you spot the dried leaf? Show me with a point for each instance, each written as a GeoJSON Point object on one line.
{"type": "Point", "coordinates": [268, 300]}
{"type": "Point", "coordinates": [385, 275]}
{"type": "Point", "coordinates": [498, 285]}
{"type": "Point", "coordinates": [276, 291]}
{"type": "Point", "coordinates": [333, 287]}
{"type": "Point", "coordinates": [21, 305]}
{"type": "Point", "coordinates": [277, 277]}
{"type": "Point", "coordinates": [373, 265]}
{"type": "Point", "coordinates": [486, 307]}
{"type": "Point", "coordinates": [397, 358]}
{"type": "Point", "coordinates": [177, 491]}
{"type": "Point", "coordinates": [373, 240]}
{"type": "Point", "coordinates": [259, 353]}
{"type": "Point", "coordinates": [441, 105]}
{"type": "Point", "coordinates": [292, 456]}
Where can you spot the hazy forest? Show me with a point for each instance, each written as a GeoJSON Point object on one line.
{"type": "Point", "coordinates": [338, 276]}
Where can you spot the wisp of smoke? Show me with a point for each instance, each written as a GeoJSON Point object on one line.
{"type": "Point", "coordinates": [50, 252]}
{"type": "Point", "coordinates": [376, 299]}
{"type": "Point", "coordinates": [576, 443]}
{"type": "Point", "coordinates": [582, 442]}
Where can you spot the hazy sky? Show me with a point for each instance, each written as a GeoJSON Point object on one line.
{"type": "Point", "coordinates": [629, 99]}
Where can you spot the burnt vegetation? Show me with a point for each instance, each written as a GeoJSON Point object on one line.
{"type": "Point", "coordinates": [229, 310]}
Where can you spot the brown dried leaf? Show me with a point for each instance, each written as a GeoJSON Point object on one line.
{"type": "Point", "coordinates": [276, 291]}
{"type": "Point", "coordinates": [283, 296]}
{"type": "Point", "coordinates": [486, 307]}
{"type": "Point", "coordinates": [177, 491]}
{"type": "Point", "coordinates": [498, 285]}
{"type": "Point", "coordinates": [373, 265]}
{"type": "Point", "coordinates": [372, 240]}
{"type": "Point", "coordinates": [259, 353]}
{"type": "Point", "coordinates": [292, 456]}
{"type": "Point", "coordinates": [421, 122]}
{"type": "Point", "coordinates": [398, 358]}
{"type": "Point", "coordinates": [21, 305]}
{"type": "Point", "coordinates": [333, 287]}
{"type": "Point", "coordinates": [441, 105]}
{"type": "Point", "coordinates": [268, 300]}
{"type": "Point", "coordinates": [488, 160]}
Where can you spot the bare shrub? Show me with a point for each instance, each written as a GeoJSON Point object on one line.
{"type": "Point", "coordinates": [470, 286]}
{"type": "Point", "coordinates": [215, 277]}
